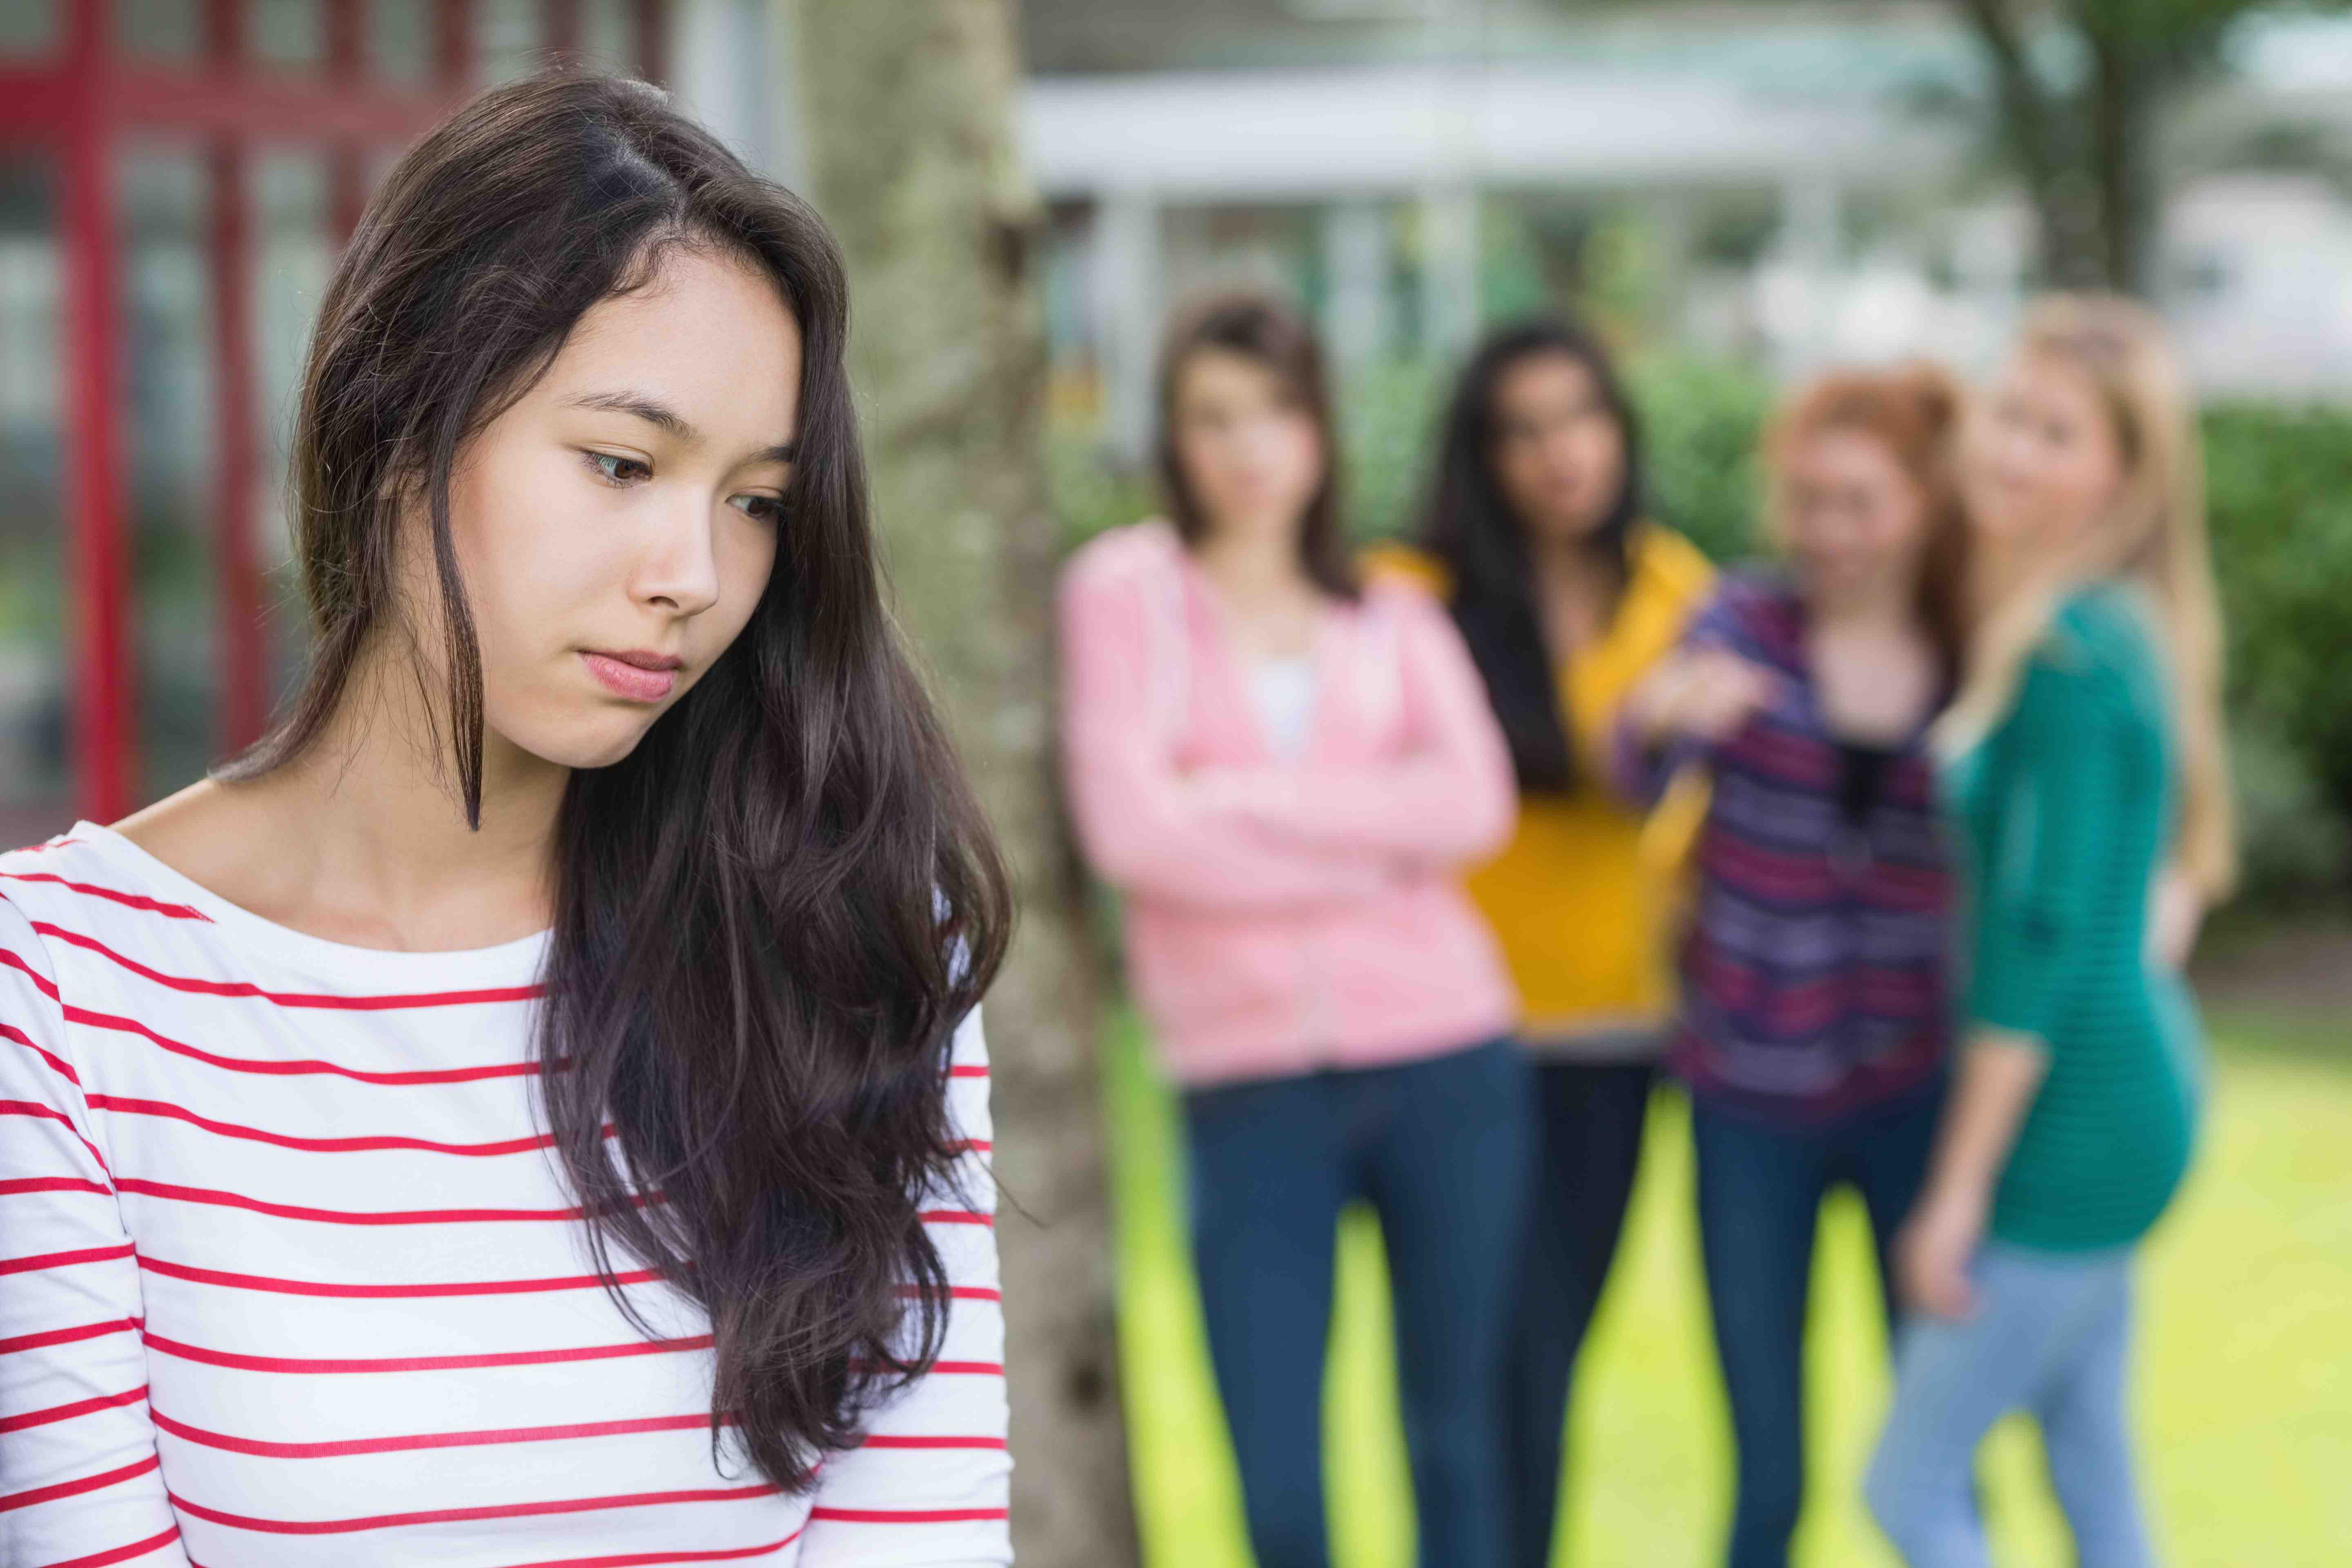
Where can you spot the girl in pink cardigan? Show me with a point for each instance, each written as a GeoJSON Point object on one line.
{"type": "Point", "coordinates": [1283, 773]}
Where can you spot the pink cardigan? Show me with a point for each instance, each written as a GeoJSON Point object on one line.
{"type": "Point", "coordinates": [1284, 915]}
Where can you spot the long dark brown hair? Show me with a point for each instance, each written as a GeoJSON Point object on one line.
{"type": "Point", "coordinates": [1467, 525]}
{"type": "Point", "coordinates": [1261, 329]}
{"type": "Point", "coordinates": [771, 917]}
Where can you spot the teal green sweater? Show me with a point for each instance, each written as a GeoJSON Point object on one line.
{"type": "Point", "coordinates": [2067, 809]}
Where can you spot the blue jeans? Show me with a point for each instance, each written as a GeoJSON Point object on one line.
{"type": "Point", "coordinates": [2051, 1334]}
{"type": "Point", "coordinates": [1589, 1117]}
{"type": "Point", "coordinates": [1760, 1187]}
{"type": "Point", "coordinates": [1440, 1148]}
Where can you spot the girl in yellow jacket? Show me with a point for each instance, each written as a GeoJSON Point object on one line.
{"type": "Point", "coordinates": [1566, 595]}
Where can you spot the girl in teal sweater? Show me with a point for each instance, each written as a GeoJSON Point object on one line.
{"type": "Point", "coordinates": [2085, 771]}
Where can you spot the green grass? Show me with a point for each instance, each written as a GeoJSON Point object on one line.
{"type": "Point", "coordinates": [2244, 1359]}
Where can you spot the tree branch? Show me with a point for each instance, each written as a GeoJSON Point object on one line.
{"type": "Point", "coordinates": [2029, 125]}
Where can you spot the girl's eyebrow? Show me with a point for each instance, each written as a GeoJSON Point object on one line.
{"type": "Point", "coordinates": [657, 413]}
{"type": "Point", "coordinates": [652, 410]}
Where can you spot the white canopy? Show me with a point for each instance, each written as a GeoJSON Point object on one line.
{"type": "Point", "coordinates": [1308, 135]}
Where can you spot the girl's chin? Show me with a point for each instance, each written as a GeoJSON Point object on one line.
{"type": "Point", "coordinates": [582, 747]}
{"type": "Point", "coordinates": [1844, 579]}
{"type": "Point", "coordinates": [1569, 525]}
{"type": "Point", "coordinates": [2000, 526]}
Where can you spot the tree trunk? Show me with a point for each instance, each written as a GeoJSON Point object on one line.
{"type": "Point", "coordinates": [2122, 117]}
{"type": "Point", "coordinates": [907, 110]}
{"type": "Point", "coordinates": [2034, 125]}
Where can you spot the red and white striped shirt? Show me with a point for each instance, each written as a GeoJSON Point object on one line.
{"type": "Point", "coordinates": [289, 1276]}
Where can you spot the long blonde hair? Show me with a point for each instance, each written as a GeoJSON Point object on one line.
{"type": "Point", "coordinates": [2153, 537]}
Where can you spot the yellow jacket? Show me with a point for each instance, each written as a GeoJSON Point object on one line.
{"type": "Point", "coordinates": [1580, 906]}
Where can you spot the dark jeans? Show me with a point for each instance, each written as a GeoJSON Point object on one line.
{"type": "Point", "coordinates": [1759, 1196]}
{"type": "Point", "coordinates": [1440, 1149]}
{"type": "Point", "coordinates": [1589, 1121]}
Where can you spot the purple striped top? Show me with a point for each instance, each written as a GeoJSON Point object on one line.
{"type": "Point", "coordinates": [1817, 963]}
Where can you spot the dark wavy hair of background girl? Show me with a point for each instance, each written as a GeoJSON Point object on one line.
{"type": "Point", "coordinates": [1467, 525]}
{"type": "Point", "coordinates": [1259, 328]}
{"type": "Point", "coordinates": [771, 917]}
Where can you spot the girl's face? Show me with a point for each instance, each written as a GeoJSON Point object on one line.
{"type": "Point", "coordinates": [1249, 451]}
{"type": "Point", "coordinates": [2043, 462]}
{"type": "Point", "coordinates": [1558, 452]}
{"type": "Point", "coordinates": [1856, 520]}
{"type": "Point", "coordinates": [616, 528]}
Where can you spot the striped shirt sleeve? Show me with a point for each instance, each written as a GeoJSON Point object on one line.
{"type": "Point", "coordinates": [1643, 771]}
{"type": "Point", "coordinates": [929, 1487]}
{"type": "Point", "coordinates": [2058, 824]}
{"type": "Point", "coordinates": [79, 1482]}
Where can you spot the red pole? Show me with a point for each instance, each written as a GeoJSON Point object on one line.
{"type": "Point", "coordinates": [559, 26]}
{"type": "Point", "coordinates": [241, 676]}
{"type": "Point", "coordinates": [98, 548]}
{"type": "Point", "coordinates": [240, 673]}
{"type": "Point", "coordinates": [453, 44]}
{"type": "Point", "coordinates": [652, 50]}
{"type": "Point", "coordinates": [346, 173]}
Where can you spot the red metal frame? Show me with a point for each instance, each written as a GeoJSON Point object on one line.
{"type": "Point", "coordinates": [97, 551]}
{"type": "Point", "coordinates": [78, 107]}
{"type": "Point", "coordinates": [240, 661]}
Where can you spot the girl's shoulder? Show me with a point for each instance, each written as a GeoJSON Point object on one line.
{"type": "Point", "coordinates": [1394, 561]}
{"type": "Point", "coordinates": [72, 894]}
{"type": "Point", "coordinates": [1668, 565]}
{"type": "Point", "coordinates": [2110, 613]}
{"type": "Point", "coordinates": [78, 872]}
{"type": "Point", "coordinates": [2102, 628]}
{"type": "Point", "coordinates": [2099, 655]}
{"type": "Point", "coordinates": [1757, 606]}
{"type": "Point", "coordinates": [1133, 551]}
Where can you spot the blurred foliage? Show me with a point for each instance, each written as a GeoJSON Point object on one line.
{"type": "Point", "coordinates": [1699, 425]}
{"type": "Point", "coordinates": [1388, 417]}
{"type": "Point", "coordinates": [2280, 500]}
{"type": "Point", "coordinates": [2279, 489]}
{"type": "Point", "coordinates": [1089, 494]}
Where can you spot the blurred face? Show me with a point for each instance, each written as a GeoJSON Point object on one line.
{"type": "Point", "coordinates": [1249, 451]}
{"type": "Point", "coordinates": [616, 528]}
{"type": "Point", "coordinates": [1856, 521]}
{"type": "Point", "coordinates": [2042, 460]}
{"type": "Point", "coordinates": [1558, 452]}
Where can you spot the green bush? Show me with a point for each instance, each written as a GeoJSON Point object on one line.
{"type": "Point", "coordinates": [2279, 490]}
{"type": "Point", "coordinates": [1088, 493]}
{"type": "Point", "coordinates": [1389, 415]}
{"type": "Point", "coordinates": [2294, 839]}
{"type": "Point", "coordinates": [1699, 425]}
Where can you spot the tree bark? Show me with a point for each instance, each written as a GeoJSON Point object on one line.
{"type": "Point", "coordinates": [907, 106]}
{"type": "Point", "coordinates": [2122, 121]}
{"type": "Point", "coordinates": [2086, 151]}
{"type": "Point", "coordinates": [2034, 122]}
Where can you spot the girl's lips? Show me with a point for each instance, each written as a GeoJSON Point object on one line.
{"type": "Point", "coordinates": [635, 682]}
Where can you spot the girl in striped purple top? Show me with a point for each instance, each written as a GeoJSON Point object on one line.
{"type": "Point", "coordinates": [1814, 967]}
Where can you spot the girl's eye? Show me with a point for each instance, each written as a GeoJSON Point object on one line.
{"type": "Point", "coordinates": [615, 469]}
{"type": "Point", "coordinates": [765, 509]}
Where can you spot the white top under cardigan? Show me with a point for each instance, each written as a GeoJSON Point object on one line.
{"type": "Point", "coordinates": [288, 1276]}
{"type": "Point", "coordinates": [1283, 691]}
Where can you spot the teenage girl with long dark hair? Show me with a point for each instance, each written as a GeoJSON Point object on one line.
{"type": "Point", "coordinates": [529, 1107]}
{"type": "Point", "coordinates": [1283, 771]}
{"type": "Point", "coordinates": [1565, 593]}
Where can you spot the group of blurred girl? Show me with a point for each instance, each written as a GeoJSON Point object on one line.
{"type": "Point", "coordinates": [1887, 852]}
